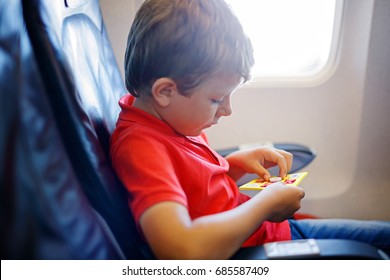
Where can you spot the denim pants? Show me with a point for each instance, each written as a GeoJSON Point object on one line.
{"type": "Point", "coordinates": [376, 233]}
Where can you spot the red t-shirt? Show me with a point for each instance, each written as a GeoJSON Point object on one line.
{"type": "Point", "coordinates": [157, 164]}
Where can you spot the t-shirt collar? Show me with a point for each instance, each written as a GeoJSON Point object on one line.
{"type": "Point", "coordinates": [133, 114]}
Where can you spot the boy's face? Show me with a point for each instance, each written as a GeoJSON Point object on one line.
{"type": "Point", "coordinates": [190, 115]}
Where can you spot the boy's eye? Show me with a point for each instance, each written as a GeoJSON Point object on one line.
{"type": "Point", "coordinates": [216, 101]}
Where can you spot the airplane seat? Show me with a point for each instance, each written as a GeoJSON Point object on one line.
{"type": "Point", "coordinates": [44, 212]}
{"type": "Point", "coordinates": [83, 85]}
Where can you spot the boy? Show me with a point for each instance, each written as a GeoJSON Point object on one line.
{"type": "Point", "coordinates": [184, 60]}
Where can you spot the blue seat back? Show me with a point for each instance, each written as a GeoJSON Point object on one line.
{"type": "Point", "coordinates": [45, 213]}
{"type": "Point", "coordinates": [84, 84]}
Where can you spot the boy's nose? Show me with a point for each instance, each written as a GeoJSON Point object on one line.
{"type": "Point", "coordinates": [225, 108]}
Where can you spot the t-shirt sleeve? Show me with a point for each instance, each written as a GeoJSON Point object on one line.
{"type": "Point", "coordinates": [144, 166]}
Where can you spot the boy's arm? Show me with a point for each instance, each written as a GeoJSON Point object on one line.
{"type": "Point", "coordinates": [172, 234]}
{"type": "Point", "coordinates": [257, 161]}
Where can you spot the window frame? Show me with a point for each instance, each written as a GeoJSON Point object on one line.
{"type": "Point", "coordinates": [317, 76]}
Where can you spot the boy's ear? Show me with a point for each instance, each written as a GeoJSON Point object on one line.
{"type": "Point", "coordinates": [162, 91]}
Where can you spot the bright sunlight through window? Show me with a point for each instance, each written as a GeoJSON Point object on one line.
{"type": "Point", "coordinates": [290, 38]}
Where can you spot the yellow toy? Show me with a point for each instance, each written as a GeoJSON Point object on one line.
{"type": "Point", "coordinates": [258, 184]}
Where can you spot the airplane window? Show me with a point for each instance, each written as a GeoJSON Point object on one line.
{"type": "Point", "coordinates": [291, 39]}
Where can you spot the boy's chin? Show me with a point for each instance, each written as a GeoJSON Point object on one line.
{"type": "Point", "coordinates": [192, 133]}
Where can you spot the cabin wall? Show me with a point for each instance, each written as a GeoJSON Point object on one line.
{"type": "Point", "coordinates": [369, 194]}
{"type": "Point", "coordinates": [345, 118]}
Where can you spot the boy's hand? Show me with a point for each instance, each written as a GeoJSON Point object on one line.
{"type": "Point", "coordinates": [258, 161]}
{"type": "Point", "coordinates": [282, 200]}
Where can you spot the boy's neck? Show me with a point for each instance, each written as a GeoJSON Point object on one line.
{"type": "Point", "coordinates": [147, 106]}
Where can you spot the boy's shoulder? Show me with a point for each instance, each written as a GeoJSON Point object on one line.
{"type": "Point", "coordinates": [134, 136]}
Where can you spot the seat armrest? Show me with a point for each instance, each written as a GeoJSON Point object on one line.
{"type": "Point", "coordinates": [302, 156]}
{"type": "Point", "coordinates": [331, 249]}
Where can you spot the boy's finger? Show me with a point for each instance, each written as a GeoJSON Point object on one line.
{"type": "Point", "coordinates": [288, 157]}
{"type": "Point", "coordinates": [283, 169]}
{"type": "Point", "coordinates": [262, 172]}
